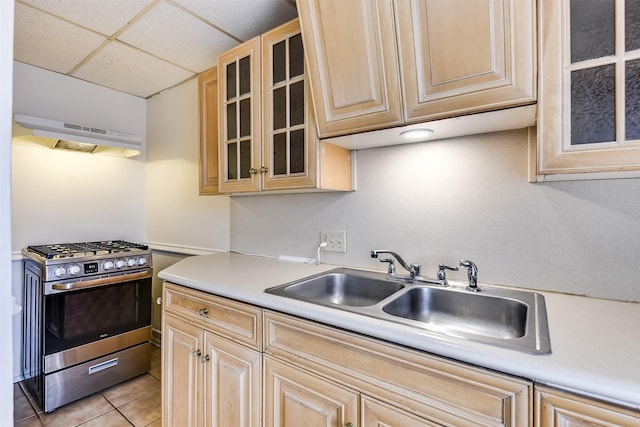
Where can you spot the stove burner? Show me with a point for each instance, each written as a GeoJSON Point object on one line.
{"type": "Point", "coordinates": [68, 250]}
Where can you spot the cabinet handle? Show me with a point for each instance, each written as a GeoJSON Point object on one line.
{"type": "Point", "coordinates": [205, 358]}
{"type": "Point", "coordinates": [196, 353]}
{"type": "Point", "coordinates": [253, 171]}
{"type": "Point", "coordinates": [264, 169]}
{"type": "Point", "coordinates": [203, 311]}
{"type": "Point", "coordinates": [348, 425]}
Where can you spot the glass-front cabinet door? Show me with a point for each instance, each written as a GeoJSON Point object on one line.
{"type": "Point", "coordinates": [589, 105]}
{"type": "Point", "coordinates": [239, 124]}
{"type": "Point", "coordinates": [289, 136]}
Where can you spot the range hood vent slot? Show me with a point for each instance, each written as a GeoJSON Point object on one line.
{"type": "Point", "coordinates": [55, 134]}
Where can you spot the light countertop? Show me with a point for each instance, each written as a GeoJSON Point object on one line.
{"type": "Point", "coordinates": [595, 343]}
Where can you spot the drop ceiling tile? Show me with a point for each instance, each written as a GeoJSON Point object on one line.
{"type": "Point", "coordinates": [130, 70]}
{"type": "Point", "coordinates": [173, 34]}
{"type": "Point", "coordinates": [48, 42]}
{"type": "Point", "coordinates": [243, 19]}
{"type": "Point", "coordinates": [103, 16]}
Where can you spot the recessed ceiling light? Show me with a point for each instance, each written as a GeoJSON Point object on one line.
{"type": "Point", "coordinates": [419, 133]}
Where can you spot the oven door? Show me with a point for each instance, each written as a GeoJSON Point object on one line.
{"type": "Point", "coordinates": [77, 317]}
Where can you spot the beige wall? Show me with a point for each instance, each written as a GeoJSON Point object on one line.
{"type": "Point", "coordinates": [464, 198]}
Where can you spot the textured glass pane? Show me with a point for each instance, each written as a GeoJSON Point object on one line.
{"type": "Point", "coordinates": [632, 91]}
{"type": "Point", "coordinates": [296, 56]}
{"type": "Point", "coordinates": [245, 158]}
{"type": "Point", "coordinates": [232, 132]}
{"type": "Point", "coordinates": [232, 161]}
{"type": "Point", "coordinates": [231, 81]}
{"type": "Point", "coordinates": [297, 151]}
{"type": "Point", "coordinates": [592, 29]}
{"type": "Point", "coordinates": [245, 117]}
{"type": "Point", "coordinates": [279, 62]}
{"type": "Point", "coordinates": [280, 108]}
{"type": "Point", "coordinates": [245, 75]}
{"type": "Point", "coordinates": [296, 104]}
{"type": "Point", "coordinates": [593, 105]}
{"type": "Point", "coordinates": [280, 154]}
{"type": "Point", "coordinates": [632, 24]}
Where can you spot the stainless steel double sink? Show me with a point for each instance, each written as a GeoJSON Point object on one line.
{"type": "Point", "coordinates": [501, 317]}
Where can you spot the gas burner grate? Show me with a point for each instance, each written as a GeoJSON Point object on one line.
{"type": "Point", "coordinates": [67, 250]}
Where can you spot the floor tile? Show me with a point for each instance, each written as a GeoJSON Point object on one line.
{"type": "Point", "coordinates": [32, 421]}
{"type": "Point", "coordinates": [111, 419]}
{"type": "Point", "coordinates": [145, 410]}
{"type": "Point", "coordinates": [78, 412]}
{"type": "Point", "coordinates": [130, 390]}
{"type": "Point", "coordinates": [22, 409]}
{"type": "Point", "coordinates": [157, 423]}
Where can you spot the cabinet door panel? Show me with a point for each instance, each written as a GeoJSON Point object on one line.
{"type": "Point", "coordinates": [290, 143]}
{"type": "Point", "coordinates": [231, 384]}
{"type": "Point", "coordinates": [296, 398]}
{"type": "Point", "coordinates": [208, 97]}
{"type": "Point", "coordinates": [181, 366]}
{"type": "Point", "coordinates": [589, 92]}
{"type": "Point", "coordinates": [239, 117]}
{"type": "Point", "coordinates": [352, 63]}
{"type": "Point", "coordinates": [464, 56]}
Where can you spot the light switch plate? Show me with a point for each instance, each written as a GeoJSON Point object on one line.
{"type": "Point", "coordinates": [336, 240]}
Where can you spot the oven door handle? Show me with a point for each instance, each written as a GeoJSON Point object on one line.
{"type": "Point", "coordinates": [102, 281]}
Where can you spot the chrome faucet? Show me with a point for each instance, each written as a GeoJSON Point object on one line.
{"type": "Point", "coordinates": [413, 269]}
{"type": "Point", "coordinates": [472, 274]}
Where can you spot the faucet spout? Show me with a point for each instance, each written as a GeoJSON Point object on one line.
{"type": "Point", "coordinates": [413, 269]}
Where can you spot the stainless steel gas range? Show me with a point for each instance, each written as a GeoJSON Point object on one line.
{"type": "Point", "coordinates": [87, 318]}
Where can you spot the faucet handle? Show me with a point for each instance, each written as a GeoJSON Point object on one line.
{"type": "Point", "coordinates": [472, 274]}
{"type": "Point", "coordinates": [442, 274]}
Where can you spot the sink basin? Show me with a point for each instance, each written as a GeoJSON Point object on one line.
{"type": "Point", "coordinates": [342, 287]}
{"type": "Point", "coordinates": [514, 319]}
{"type": "Point", "coordinates": [491, 316]}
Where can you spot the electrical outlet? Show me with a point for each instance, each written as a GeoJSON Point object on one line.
{"type": "Point", "coordinates": [336, 240]}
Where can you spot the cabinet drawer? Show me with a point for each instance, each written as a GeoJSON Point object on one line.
{"type": "Point", "coordinates": [556, 408]}
{"type": "Point", "coordinates": [439, 390]}
{"type": "Point", "coordinates": [234, 320]}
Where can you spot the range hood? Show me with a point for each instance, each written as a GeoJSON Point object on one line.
{"type": "Point", "coordinates": [54, 134]}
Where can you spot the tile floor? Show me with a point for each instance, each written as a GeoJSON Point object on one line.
{"type": "Point", "coordinates": [136, 402]}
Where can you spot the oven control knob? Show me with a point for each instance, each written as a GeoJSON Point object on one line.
{"type": "Point", "coordinates": [142, 261]}
{"type": "Point", "coordinates": [107, 265]}
{"type": "Point", "coordinates": [131, 262]}
{"type": "Point", "coordinates": [60, 271]}
{"type": "Point", "coordinates": [74, 269]}
{"type": "Point", "coordinates": [120, 263]}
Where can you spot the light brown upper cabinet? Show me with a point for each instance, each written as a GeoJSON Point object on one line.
{"type": "Point", "coordinates": [377, 64]}
{"type": "Point", "coordinates": [267, 132]}
{"type": "Point", "coordinates": [589, 106]}
{"type": "Point", "coordinates": [208, 104]}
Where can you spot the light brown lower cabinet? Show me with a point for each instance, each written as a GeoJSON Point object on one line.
{"type": "Point", "coordinates": [231, 364]}
{"type": "Point", "coordinates": [556, 408]}
{"type": "Point", "coordinates": [210, 377]}
{"type": "Point", "coordinates": [314, 371]}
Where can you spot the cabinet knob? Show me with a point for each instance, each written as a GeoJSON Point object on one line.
{"type": "Point", "coordinates": [348, 425]}
{"type": "Point", "coordinates": [205, 358]}
{"type": "Point", "coordinates": [253, 171]}
{"type": "Point", "coordinates": [264, 169]}
{"type": "Point", "coordinates": [196, 353]}
{"type": "Point", "coordinates": [203, 311]}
